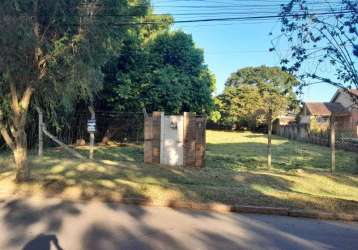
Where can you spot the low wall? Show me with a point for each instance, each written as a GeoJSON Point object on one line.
{"type": "Point", "coordinates": [179, 144]}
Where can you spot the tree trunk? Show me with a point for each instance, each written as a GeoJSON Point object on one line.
{"type": "Point", "coordinates": [269, 140]}
{"type": "Point", "coordinates": [14, 132]}
{"type": "Point", "coordinates": [22, 168]}
{"type": "Point", "coordinates": [20, 152]}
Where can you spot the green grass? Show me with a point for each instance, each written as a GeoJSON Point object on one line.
{"type": "Point", "coordinates": [235, 173]}
{"type": "Point", "coordinates": [246, 150]}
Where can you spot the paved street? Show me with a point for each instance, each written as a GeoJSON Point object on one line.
{"type": "Point", "coordinates": [53, 224]}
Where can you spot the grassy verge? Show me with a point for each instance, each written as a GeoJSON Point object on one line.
{"type": "Point", "coordinates": [235, 174]}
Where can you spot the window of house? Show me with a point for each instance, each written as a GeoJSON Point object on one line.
{"type": "Point", "coordinates": [321, 119]}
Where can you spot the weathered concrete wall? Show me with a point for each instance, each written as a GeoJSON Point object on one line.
{"type": "Point", "coordinates": [148, 139]}
{"type": "Point", "coordinates": [189, 139]}
{"type": "Point", "coordinates": [200, 146]}
{"type": "Point", "coordinates": [156, 130]}
{"type": "Point", "coordinates": [172, 141]}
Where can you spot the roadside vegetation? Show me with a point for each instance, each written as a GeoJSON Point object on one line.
{"type": "Point", "coordinates": [66, 57]}
{"type": "Point", "coordinates": [88, 60]}
{"type": "Point", "coordinates": [235, 174]}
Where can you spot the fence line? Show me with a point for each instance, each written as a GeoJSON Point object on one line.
{"type": "Point", "coordinates": [345, 139]}
{"type": "Point", "coordinates": [119, 127]}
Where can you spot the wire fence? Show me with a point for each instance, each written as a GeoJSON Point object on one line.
{"type": "Point", "coordinates": [119, 135]}
{"type": "Point", "coordinates": [111, 127]}
{"type": "Point", "coordinates": [346, 137]}
{"type": "Point", "coordinates": [331, 147]}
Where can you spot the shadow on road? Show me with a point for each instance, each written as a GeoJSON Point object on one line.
{"type": "Point", "coordinates": [43, 242]}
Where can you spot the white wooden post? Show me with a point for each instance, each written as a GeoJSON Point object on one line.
{"type": "Point", "coordinates": [40, 128]}
{"type": "Point", "coordinates": [93, 117]}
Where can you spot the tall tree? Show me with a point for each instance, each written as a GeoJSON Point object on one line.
{"type": "Point", "coordinates": [240, 106]}
{"type": "Point", "coordinates": [260, 93]}
{"type": "Point", "coordinates": [163, 72]}
{"type": "Point", "coordinates": [266, 79]}
{"type": "Point", "coordinates": [51, 53]}
{"type": "Point", "coordinates": [320, 42]}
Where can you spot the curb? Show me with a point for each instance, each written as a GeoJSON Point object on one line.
{"type": "Point", "coordinates": [323, 215]}
{"type": "Point", "coordinates": [222, 208]}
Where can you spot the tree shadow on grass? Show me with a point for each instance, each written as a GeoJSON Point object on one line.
{"type": "Point", "coordinates": [123, 181]}
{"type": "Point", "coordinates": [130, 153]}
{"type": "Point", "coordinates": [119, 181]}
{"type": "Point", "coordinates": [206, 185]}
{"type": "Point", "coordinates": [346, 180]}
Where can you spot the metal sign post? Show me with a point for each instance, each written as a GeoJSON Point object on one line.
{"type": "Point", "coordinates": [91, 128]}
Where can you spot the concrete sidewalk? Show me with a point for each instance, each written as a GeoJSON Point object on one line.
{"type": "Point", "coordinates": [36, 224]}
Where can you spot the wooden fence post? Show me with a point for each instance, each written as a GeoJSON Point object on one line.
{"type": "Point", "coordinates": [269, 140]}
{"type": "Point", "coordinates": [93, 117]}
{"type": "Point", "coordinates": [67, 148]}
{"type": "Point", "coordinates": [333, 145]}
{"type": "Point", "coordinates": [40, 127]}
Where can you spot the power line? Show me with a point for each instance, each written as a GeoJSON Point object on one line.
{"type": "Point", "coordinates": [220, 4]}
{"type": "Point", "coordinates": [209, 17]}
{"type": "Point", "coordinates": [216, 13]}
{"type": "Point", "coordinates": [267, 17]}
{"type": "Point", "coordinates": [196, 14]}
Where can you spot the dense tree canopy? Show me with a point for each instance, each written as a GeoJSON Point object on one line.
{"type": "Point", "coordinates": [251, 94]}
{"type": "Point", "coordinates": [52, 53]}
{"type": "Point", "coordinates": [165, 72]}
{"type": "Point", "coordinates": [63, 55]}
{"type": "Point", "coordinates": [239, 105]}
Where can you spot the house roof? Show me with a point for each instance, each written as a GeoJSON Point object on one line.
{"type": "Point", "coordinates": [352, 91]}
{"type": "Point", "coordinates": [286, 119]}
{"type": "Point", "coordinates": [326, 109]}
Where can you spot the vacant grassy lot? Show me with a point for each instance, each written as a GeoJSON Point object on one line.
{"type": "Point", "coordinates": [235, 174]}
{"type": "Point", "coordinates": [238, 151]}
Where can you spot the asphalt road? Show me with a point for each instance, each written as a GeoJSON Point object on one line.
{"type": "Point", "coordinates": [34, 224]}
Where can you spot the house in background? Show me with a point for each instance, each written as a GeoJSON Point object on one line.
{"type": "Point", "coordinates": [342, 107]}
{"type": "Point", "coordinates": [350, 102]}
{"type": "Point", "coordinates": [283, 120]}
{"type": "Point", "coordinates": [321, 113]}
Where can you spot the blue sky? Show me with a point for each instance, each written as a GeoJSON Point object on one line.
{"type": "Point", "coordinates": [229, 46]}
